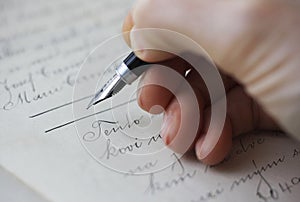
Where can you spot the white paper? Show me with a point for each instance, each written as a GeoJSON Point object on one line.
{"type": "Point", "coordinates": [42, 45]}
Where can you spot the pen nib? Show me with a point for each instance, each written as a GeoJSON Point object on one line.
{"type": "Point", "coordinates": [112, 87]}
{"type": "Point", "coordinates": [91, 103]}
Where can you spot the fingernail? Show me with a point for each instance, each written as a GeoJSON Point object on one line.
{"type": "Point", "coordinates": [206, 147]}
{"type": "Point", "coordinates": [167, 124]}
{"type": "Point", "coordinates": [169, 127]}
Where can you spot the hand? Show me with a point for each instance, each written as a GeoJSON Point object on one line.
{"type": "Point", "coordinates": [256, 46]}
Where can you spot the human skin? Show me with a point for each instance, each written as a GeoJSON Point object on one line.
{"type": "Point", "coordinates": [255, 44]}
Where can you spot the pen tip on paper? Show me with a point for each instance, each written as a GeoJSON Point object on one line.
{"type": "Point", "coordinates": [90, 104]}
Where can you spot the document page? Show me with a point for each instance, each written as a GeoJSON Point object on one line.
{"type": "Point", "coordinates": [53, 56]}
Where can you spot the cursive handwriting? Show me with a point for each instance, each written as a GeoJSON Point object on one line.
{"type": "Point", "coordinates": [210, 195]}
{"type": "Point", "coordinates": [242, 147]}
{"type": "Point", "coordinates": [267, 194]}
{"type": "Point", "coordinates": [296, 153]}
{"type": "Point", "coordinates": [112, 151]}
{"type": "Point", "coordinates": [92, 136]}
{"type": "Point", "coordinates": [154, 139]}
{"type": "Point", "coordinates": [290, 185]}
{"type": "Point", "coordinates": [98, 125]}
{"type": "Point", "coordinates": [257, 172]}
{"type": "Point", "coordinates": [180, 177]}
{"type": "Point", "coordinates": [142, 168]}
{"type": "Point", "coordinates": [24, 91]}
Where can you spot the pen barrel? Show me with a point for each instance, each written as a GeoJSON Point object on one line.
{"type": "Point", "coordinates": [131, 68]}
{"type": "Point", "coordinates": [132, 61]}
{"type": "Point", "coordinates": [136, 65]}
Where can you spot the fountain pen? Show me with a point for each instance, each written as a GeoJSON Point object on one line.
{"type": "Point", "coordinates": [125, 73]}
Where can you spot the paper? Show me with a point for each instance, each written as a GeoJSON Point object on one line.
{"type": "Point", "coordinates": [42, 45]}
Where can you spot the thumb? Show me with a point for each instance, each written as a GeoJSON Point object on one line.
{"type": "Point", "coordinates": [216, 25]}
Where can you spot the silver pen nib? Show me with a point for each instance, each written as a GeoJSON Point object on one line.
{"type": "Point", "coordinates": [112, 87]}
